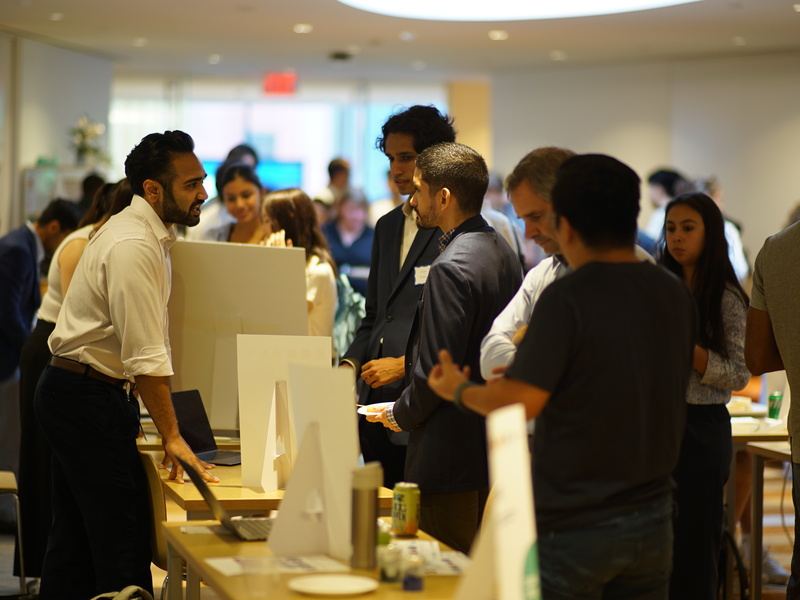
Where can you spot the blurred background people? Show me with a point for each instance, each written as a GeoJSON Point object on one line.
{"type": "Point", "coordinates": [350, 238]}
{"type": "Point", "coordinates": [289, 219]}
{"type": "Point", "coordinates": [242, 194]}
{"type": "Point", "coordinates": [664, 185]}
{"type": "Point", "coordinates": [327, 199]}
{"type": "Point", "coordinates": [380, 207]}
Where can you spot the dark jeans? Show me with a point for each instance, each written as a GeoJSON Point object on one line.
{"type": "Point", "coordinates": [703, 469]}
{"type": "Point", "coordinates": [100, 537]}
{"type": "Point", "coordinates": [793, 588]}
{"type": "Point", "coordinates": [628, 556]}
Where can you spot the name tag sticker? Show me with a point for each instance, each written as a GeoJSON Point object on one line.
{"type": "Point", "coordinates": [421, 275]}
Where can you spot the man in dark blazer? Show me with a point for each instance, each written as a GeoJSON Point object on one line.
{"type": "Point", "coordinates": [401, 257]}
{"type": "Point", "coordinates": [21, 254]}
{"type": "Point", "coordinates": [471, 281]}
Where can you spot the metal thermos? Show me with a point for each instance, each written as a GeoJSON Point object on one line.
{"type": "Point", "coordinates": [366, 481]}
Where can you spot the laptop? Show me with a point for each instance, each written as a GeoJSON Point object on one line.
{"type": "Point", "coordinates": [245, 528]}
{"type": "Point", "coordinates": [196, 430]}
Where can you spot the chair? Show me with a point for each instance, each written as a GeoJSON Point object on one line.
{"type": "Point", "coordinates": [8, 485]}
{"type": "Point", "coordinates": [158, 513]}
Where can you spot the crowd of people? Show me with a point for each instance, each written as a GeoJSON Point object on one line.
{"type": "Point", "coordinates": [623, 345]}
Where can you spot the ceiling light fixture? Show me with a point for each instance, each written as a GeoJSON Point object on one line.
{"type": "Point", "coordinates": [558, 55]}
{"type": "Point", "coordinates": [739, 41]}
{"type": "Point", "coordinates": [57, 17]}
{"type": "Point", "coordinates": [407, 36]}
{"type": "Point", "coordinates": [498, 35]}
{"type": "Point", "coordinates": [505, 10]}
{"type": "Point", "coordinates": [303, 28]}
{"type": "Point", "coordinates": [214, 59]}
{"type": "Point", "coordinates": [140, 42]}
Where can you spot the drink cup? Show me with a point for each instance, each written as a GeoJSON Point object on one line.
{"type": "Point", "coordinates": [774, 405]}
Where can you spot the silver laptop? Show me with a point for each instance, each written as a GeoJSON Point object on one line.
{"type": "Point", "coordinates": [245, 528]}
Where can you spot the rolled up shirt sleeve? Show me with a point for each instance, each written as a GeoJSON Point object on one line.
{"type": "Point", "coordinates": [138, 284]}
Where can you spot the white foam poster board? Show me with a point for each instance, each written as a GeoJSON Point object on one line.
{"type": "Point", "coordinates": [318, 496]}
{"type": "Point", "coordinates": [267, 432]}
{"type": "Point", "coordinates": [220, 290]}
{"type": "Point", "coordinates": [505, 553]}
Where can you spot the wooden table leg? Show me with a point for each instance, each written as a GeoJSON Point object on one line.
{"type": "Point", "coordinates": [757, 528]}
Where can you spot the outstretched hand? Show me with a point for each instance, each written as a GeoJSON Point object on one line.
{"type": "Point", "coordinates": [446, 376]}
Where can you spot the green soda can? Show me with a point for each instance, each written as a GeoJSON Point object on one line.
{"type": "Point", "coordinates": [405, 509]}
{"type": "Point", "coordinates": [774, 405]}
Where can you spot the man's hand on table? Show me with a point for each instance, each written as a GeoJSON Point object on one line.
{"type": "Point", "coordinates": [179, 447]}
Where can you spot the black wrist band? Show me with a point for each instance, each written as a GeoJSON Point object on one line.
{"type": "Point", "coordinates": [460, 390]}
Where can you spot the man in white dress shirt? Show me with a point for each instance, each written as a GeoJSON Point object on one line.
{"type": "Point", "coordinates": [112, 331]}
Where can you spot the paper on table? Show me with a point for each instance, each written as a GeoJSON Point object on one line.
{"type": "Point", "coordinates": [229, 566]}
{"type": "Point", "coordinates": [436, 561]}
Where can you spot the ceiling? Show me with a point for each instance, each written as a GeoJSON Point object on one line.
{"type": "Point", "coordinates": [252, 37]}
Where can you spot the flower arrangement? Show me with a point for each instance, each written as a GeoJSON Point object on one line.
{"type": "Point", "coordinates": [84, 138]}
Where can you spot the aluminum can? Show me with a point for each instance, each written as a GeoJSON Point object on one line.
{"type": "Point", "coordinates": [405, 509]}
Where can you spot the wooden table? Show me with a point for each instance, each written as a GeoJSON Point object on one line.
{"type": "Point", "coordinates": [194, 548]}
{"type": "Point", "coordinates": [762, 452]}
{"type": "Point", "coordinates": [746, 431]}
{"type": "Point", "coordinates": [153, 443]}
{"type": "Point", "coordinates": [235, 498]}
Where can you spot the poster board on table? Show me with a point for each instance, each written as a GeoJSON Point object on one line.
{"type": "Point", "coordinates": [318, 496]}
{"type": "Point", "coordinates": [269, 437]}
{"type": "Point", "coordinates": [220, 290]}
{"type": "Point", "coordinates": [504, 561]}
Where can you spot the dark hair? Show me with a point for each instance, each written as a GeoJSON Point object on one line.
{"type": "Point", "coordinates": [539, 168]}
{"type": "Point", "coordinates": [713, 272]}
{"type": "Point", "coordinates": [91, 183]}
{"type": "Point", "coordinates": [425, 124]}
{"type": "Point", "coordinates": [599, 196]}
{"type": "Point", "coordinates": [65, 212]}
{"type": "Point", "coordinates": [234, 170]}
{"type": "Point", "coordinates": [152, 158]}
{"type": "Point", "coordinates": [100, 204]}
{"type": "Point", "coordinates": [458, 168]}
{"type": "Point", "coordinates": [237, 152]}
{"type": "Point", "coordinates": [673, 182]}
{"type": "Point", "coordinates": [293, 211]}
{"type": "Point", "coordinates": [337, 165]}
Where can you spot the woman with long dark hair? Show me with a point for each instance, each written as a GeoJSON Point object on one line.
{"type": "Point", "coordinates": [696, 251]}
{"type": "Point", "coordinates": [289, 219]}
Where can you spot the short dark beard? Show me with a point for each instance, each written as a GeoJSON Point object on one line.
{"type": "Point", "coordinates": [173, 213]}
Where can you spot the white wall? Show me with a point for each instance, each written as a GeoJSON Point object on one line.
{"type": "Point", "coordinates": [736, 118]}
{"type": "Point", "coordinates": [53, 87]}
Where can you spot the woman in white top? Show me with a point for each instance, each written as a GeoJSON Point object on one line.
{"type": "Point", "coordinates": [34, 466]}
{"type": "Point", "coordinates": [242, 193]}
{"type": "Point", "coordinates": [289, 219]}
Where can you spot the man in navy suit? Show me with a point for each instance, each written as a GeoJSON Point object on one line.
{"type": "Point", "coordinates": [473, 278]}
{"type": "Point", "coordinates": [401, 256]}
{"type": "Point", "coordinates": [21, 254]}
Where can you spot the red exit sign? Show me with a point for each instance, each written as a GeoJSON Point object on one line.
{"type": "Point", "coordinates": [280, 83]}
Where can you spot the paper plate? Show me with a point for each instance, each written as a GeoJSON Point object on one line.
{"type": "Point", "coordinates": [333, 585]}
{"type": "Point", "coordinates": [376, 408]}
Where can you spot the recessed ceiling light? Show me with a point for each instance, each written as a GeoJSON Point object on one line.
{"type": "Point", "coordinates": [303, 28]}
{"type": "Point", "coordinates": [140, 42]}
{"type": "Point", "coordinates": [505, 10]}
{"type": "Point", "coordinates": [407, 36]}
{"type": "Point", "coordinates": [739, 41]}
{"type": "Point", "coordinates": [57, 16]}
{"type": "Point", "coordinates": [558, 55]}
{"type": "Point", "coordinates": [419, 65]}
{"type": "Point", "coordinates": [214, 59]}
{"type": "Point", "coordinates": [498, 35]}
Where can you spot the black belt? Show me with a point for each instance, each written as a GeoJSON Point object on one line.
{"type": "Point", "coordinates": [74, 366]}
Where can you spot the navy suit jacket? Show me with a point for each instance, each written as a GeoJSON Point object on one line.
{"type": "Point", "coordinates": [392, 297]}
{"type": "Point", "coordinates": [468, 285]}
{"type": "Point", "coordinates": [20, 295]}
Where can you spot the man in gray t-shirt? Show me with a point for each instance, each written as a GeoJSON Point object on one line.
{"type": "Point", "coordinates": [772, 342]}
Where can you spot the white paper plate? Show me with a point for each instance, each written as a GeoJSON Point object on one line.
{"type": "Point", "coordinates": [333, 585]}
{"type": "Point", "coordinates": [377, 407]}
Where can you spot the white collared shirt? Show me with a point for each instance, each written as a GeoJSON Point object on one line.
{"type": "Point", "coordinates": [410, 230]}
{"type": "Point", "coordinates": [114, 316]}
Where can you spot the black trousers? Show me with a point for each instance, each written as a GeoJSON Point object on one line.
{"type": "Point", "coordinates": [34, 457]}
{"type": "Point", "coordinates": [378, 442]}
{"type": "Point", "coordinates": [100, 538]}
{"type": "Point", "coordinates": [702, 471]}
